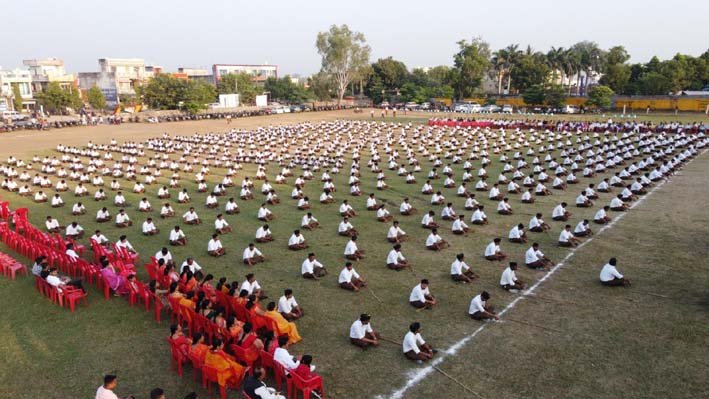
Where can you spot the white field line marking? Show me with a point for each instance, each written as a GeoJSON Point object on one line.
{"type": "Point", "coordinates": [417, 375]}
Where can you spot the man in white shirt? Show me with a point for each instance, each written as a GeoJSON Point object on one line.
{"type": "Point", "coordinates": [421, 296]}
{"type": "Point", "coordinates": [517, 234]}
{"type": "Point", "coordinates": [309, 222]}
{"type": "Point", "coordinates": [362, 334]}
{"type": "Point", "coordinates": [567, 239]}
{"type": "Point", "coordinates": [560, 213]}
{"type": "Point", "coordinates": [99, 238]}
{"type": "Point", "coordinates": [221, 226]}
{"type": "Point", "coordinates": [123, 243]}
{"type": "Point", "coordinates": [434, 241]}
{"type": "Point", "coordinates": [214, 246]}
{"type": "Point", "coordinates": [347, 210]}
{"type": "Point", "coordinates": [610, 276]}
{"type": "Point", "coordinates": [78, 209]}
{"type": "Point", "coordinates": [122, 219]}
{"type": "Point", "coordinates": [252, 286]}
{"type": "Point", "coordinates": [537, 224]}
{"type": "Point", "coordinates": [414, 346]}
{"type": "Point", "coordinates": [263, 234]}
{"type": "Point", "coordinates": [504, 207]}
{"type": "Point", "coordinates": [582, 229]}
{"type": "Point", "coordinates": [479, 217]}
{"type": "Point", "coordinates": [601, 217]}
{"type": "Point", "coordinates": [345, 228]}
{"type": "Point", "coordinates": [296, 241]}
{"type": "Point", "coordinates": [459, 226]}
{"type": "Point", "coordinates": [288, 307]}
{"type": "Point", "coordinates": [149, 228]}
{"type": "Point", "coordinates": [283, 357]}
{"type": "Point", "coordinates": [264, 214]}
{"type": "Point", "coordinates": [191, 217]}
{"type": "Point", "coordinates": [74, 231]}
{"type": "Point", "coordinates": [395, 234]}
{"type": "Point", "coordinates": [509, 280]}
{"type": "Point", "coordinates": [311, 268]}
{"type": "Point", "coordinates": [252, 255]}
{"type": "Point", "coordinates": [177, 237]}
{"type": "Point", "coordinates": [493, 251]}
{"type": "Point", "coordinates": [460, 271]}
{"type": "Point", "coordinates": [349, 279]}
{"type": "Point", "coordinates": [427, 221]}
{"type": "Point", "coordinates": [52, 225]}
{"type": "Point", "coordinates": [190, 264]}
{"type": "Point", "coordinates": [406, 208]}
{"type": "Point", "coordinates": [534, 258]}
{"type": "Point", "coordinates": [618, 205]}
{"type": "Point", "coordinates": [480, 310]}
{"type": "Point", "coordinates": [396, 260]}
{"type": "Point", "coordinates": [105, 391]}
{"type": "Point", "coordinates": [352, 252]}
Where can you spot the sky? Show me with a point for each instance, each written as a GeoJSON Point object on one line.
{"type": "Point", "coordinates": [420, 33]}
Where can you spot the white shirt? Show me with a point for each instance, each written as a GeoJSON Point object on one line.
{"type": "Point", "coordinates": [100, 238]}
{"type": "Point", "coordinates": [580, 227]}
{"type": "Point", "coordinates": [250, 253]}
{"type": "Point", "coordinates": [458, 267]}
{"type": "Point", "coordinates": [564, 236]}
{"type": "Point", "coordinates": [148, 227]}
{"type": "Point", "coordinates": [214, 245]}
{"type": "Point", "coordinates": [508, 277]}
{"type": "Point", "coordinates": [250, 287]}
{"type": "Point", "coordinates": [344, 226]}
{"type": "Point", "coordinates": [220, 224]}
{"type": "Point", "coordinates": [532, 256]}
{"type": "Point", "coordinates": [476, 305]}
{"type": "Point", "coordinates": [194, 267]}
{"type": "Point", "coordinates": [359, 330]}
{"type": "Point", "coordinates": [72, 231]}
{"type": "Point", "coordinates": [609, 272]}
{"type": "Point", "coordinates": [534, 222]}
{"type": "Point", "coordinates": [159, 255]}
{"type": "Point", "coordinates": [176, 235]}
{"type": "Point", "coordinates": [350, 248]}
{"type": "Point", "coordinates": [432, 239]}
{"type": "Point", "coordinates": [491, 249]}
{"type": "Point", "coordinates": [263, 212]}
{"type": "Point", "coordinates": [478, 215]}
{"type": "Point", "coordinates": [296, 239]}
{"type": "Point", "coordinates": [345, 207]}
{"type": "Point", "coordinates": [286, 305]}
{"type": "Point", "coordinates": [600, 214]}
{"type": "Point", "coordinates": [103, 393]}
{"type": "Point", "coordinates": [616, 202]}
{"type": "Point", "coordinates": [347, 275]}
{"type": "Point", "coordinates": [394, 231]}
{"type": "Point", "coordinates": [394, 257]}
{"type": "Point", "coordinates": [427, 219]}
{"type": "Point", "coordinates": [282, 356]}
{"type": "Point", "coordinates": [190, 216]}
{"type": "Point", "coordinates": [309, 266]}
{"type": "Point", "coordinates": [261, 232]}
{"type": "Point", "coordinates": [558, 211]}
{"type": "Point", "coordinates": [412, 342]}
{"type": "Point", "coordinates": [418, 293]}
{"type": "Point", "coordinates": [122, 218]}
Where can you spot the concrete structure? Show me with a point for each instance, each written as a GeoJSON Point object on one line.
{"type": "Point", "coordinates": [117, 77]}
{"type": "Point", "coordinates": [197, 74]}
{"type": "Point", "coordinates": [48, 70]}
{"type": "Point", "coordinates": [23, 80]}
{"type": "Point", "coordinates": [259, 73]}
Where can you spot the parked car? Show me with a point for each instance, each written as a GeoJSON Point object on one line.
{"type": "Point", "coordinates": [411, 106]}
{"type": "Point", "coordinates": [507, 109]}
{"type": "Point", "coordinates": [570, 109]}
{"type": "Point", "coordinates": [490, 108]}
{"type": "Point", "coordinates": [384, 104]}
{"type": "Point", "coordinates": [12, 116]}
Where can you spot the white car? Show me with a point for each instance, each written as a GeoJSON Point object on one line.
{"type": "Point", "coordinates": [507, 109]}
{"type": "Point", "coordinates": [570, 109]}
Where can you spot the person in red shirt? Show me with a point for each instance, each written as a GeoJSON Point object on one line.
{"type": "Point", "coordinates": [305, 370]}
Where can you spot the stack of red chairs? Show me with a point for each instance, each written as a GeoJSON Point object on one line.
{"type": "Point", "coordinates": [10, 267]}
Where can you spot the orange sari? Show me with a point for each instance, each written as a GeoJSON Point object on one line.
{"type": "Point", "coordinates": [199, 351]}
{"type": "Point", "coordinates": [284, 326]}
{"type": "Point", "coordinates": [229, 371]}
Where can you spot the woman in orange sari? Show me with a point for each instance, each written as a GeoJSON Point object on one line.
{"type": "Point", "coordinates": [251, 344]}
{"type": "Point", "coordinates": [199, 349]}
{"type": "Point", "coordinates": [229, 371]}
{"type": "Point", "coordinates": [257, 316]}
{"type": "Point", "coordinates": [284, 326]}
{"type": "Point", "coordinates": [234, 329]}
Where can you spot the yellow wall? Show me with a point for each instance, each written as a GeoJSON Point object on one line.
{"type": "Point", "coordinates": [665, 103]}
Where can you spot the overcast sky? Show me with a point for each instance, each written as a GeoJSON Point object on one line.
{"type": "Point", "coordinates": [419, 32]}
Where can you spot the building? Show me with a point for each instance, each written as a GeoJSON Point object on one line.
{"type": "Point", "coordinates": [197, 74]}
{"type": "Point", "coordinates": [48, 70]}
{"type": "Point", "coordinates": [259, 73]}
{"type": "Point", "coordinates": [117, 77]}
{"type": "Point", "coordinates": [21, 78]}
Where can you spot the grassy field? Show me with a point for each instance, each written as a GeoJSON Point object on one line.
{"type": "Point", "coordinates": [65, 354]}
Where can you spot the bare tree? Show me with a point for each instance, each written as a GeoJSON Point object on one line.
{"type": "Point", "coordinates": [344, 54]}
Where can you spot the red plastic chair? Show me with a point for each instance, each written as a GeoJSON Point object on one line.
{"type": "Point", "coordinates": [245, 395]}
{"type": "Point", "coordinates": [157, 304]}
{"type": "Point", "coordinates": [266, 360]}
{"type": "Point", "coordinates": [240, 355]}
{"type": "Point", "coordinates": [210, 374]}
{"type": "Point", "coordinates": [197, 364]}
{"type": "Point", "coordinates": [178, 355]}
{"type": "Point", "coordinates": [306, 386]}
{"type": "Point", "coordinates": [279, 372]}
{"type": "Point", "coordinates": [72, 296]}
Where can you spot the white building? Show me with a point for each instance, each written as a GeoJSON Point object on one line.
{"type": "Point", "coordinates": [23, 80]}
{"type": "Point", "coordinates": [48, 70]}
{"type": "Point", "coordinates": [117, 77]}
{"type": "Point", "coordinates": [259, 73]}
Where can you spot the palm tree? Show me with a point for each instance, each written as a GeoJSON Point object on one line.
{"type": "Point", "coordinates": [573, 65]}
{"type": "Point", "coordinates": [555, 60]}
{"type": "Point", "coordinates": [513, 54]}
{"type": "Point", "coordinates": [500, 64]}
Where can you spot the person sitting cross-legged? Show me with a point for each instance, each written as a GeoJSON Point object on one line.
{"type": "Point", "coordinates": [509, 280]}
{"type": "Point", "coordinates": [421, 296]}
{"type": "Point", "coordinates": [480, 310]}
{"type": "Point", "coordinates": [610, 276]}
{"type": "Point", "coordinates": [349, 279]}
{"type": "Point", "coordinates": [414, 346]}
{"type": "Point", "coordinates": [362, 334]}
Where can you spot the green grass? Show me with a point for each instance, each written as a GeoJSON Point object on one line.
{"type": "Point", "coordinates": [65, 354]}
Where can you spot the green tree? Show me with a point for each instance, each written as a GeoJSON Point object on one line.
{"type": "Point", "coordinates": [321, 86]}
{"type": "Point", "coordinates": [197, 95]}
{"type": "Point", "coordinates": [530, 69]}
{"type": "Point", "coordinates": [654, 83]}
{"type": "Point", "coordinates": [285, 90]}
{"type": "Point", "coordinates": [470, 64]}
{"type": "Point", "coordinates": [343, 53]}
{"type": "Point", "coordinates": [55, 99]}
{"type": "Point", "coordinates": [554, 95]}
{"type": "Point", "coordinates": [600, 96]}
{"type": "Point", "coordinates": [238, 83]}
{"type": "Point", "coordinates": [168, 92]}
{"type": "Point", "coordinates": [96, 98]}
{"type": "Point", "coordinates": [534, 95]}
{"type": "Point", "coordinates": [16, 97]}
{"type": "Point", "coordinates": [616, 77]}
